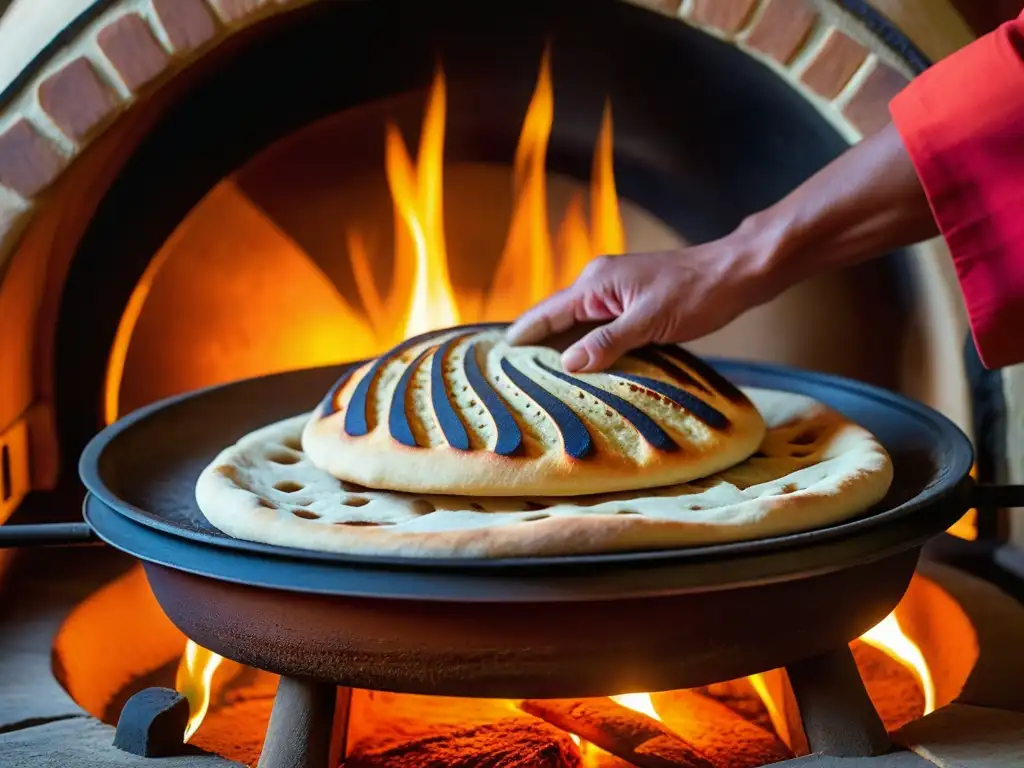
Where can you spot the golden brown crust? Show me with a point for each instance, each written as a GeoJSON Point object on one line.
{"type": "Point", "coordinates": [813, 469]}
{"type": "Point", "coordinates": [462, 412]}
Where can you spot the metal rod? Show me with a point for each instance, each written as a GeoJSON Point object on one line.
{"type": "Point", "coordinates": [986, 496]}
{"type": "Point", "coordinates": [46, 535]}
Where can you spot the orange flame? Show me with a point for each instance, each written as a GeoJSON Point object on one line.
{"type": "Point", "coordinates": [194, 681]}
{"type": "Point", "coordinates": [775, 713]}
{"type": "Point", "coordinates": [888, 636]}
{"type": "Point", "coordinates": [525, 273]}
{"type": "Point", "coordinates": [638, 702]}
{"type": "Point", "coordinates": [572, 242]}
{"type": "Point", "coordinates": [967, 526]}
{"type": "Point", "coordinates": [419, 202]}
{"type": "Point", "coordinates": [609, 235]}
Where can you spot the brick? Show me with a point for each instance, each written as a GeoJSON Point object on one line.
{"type": "Point", "coordinates": [76, 99]}
{"type": "Point", "coordinates": [29, 162]}
{"type": "Point", "coordinates": [130, 46]}
{"type": "Point", "coordinates": [729, 16]}
{"type": "Point", "coordinates": [782, 28]}
{"type": "Point", "coordinates": [188, 23]}
{"type": "Point", "coordinates": [837, 61]}
{"type": "Point", "coordinates": [235, 10]}
{"type": "Point", "coordinates": [868, 110]}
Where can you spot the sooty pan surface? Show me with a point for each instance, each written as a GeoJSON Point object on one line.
{"type": "Point", "coordinates": [145, 466]}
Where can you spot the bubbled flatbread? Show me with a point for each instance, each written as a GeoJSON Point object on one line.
{"type": "Point", "coordinates": [813, 469]}
{"type": "Point", "coordinates": [462, 412]}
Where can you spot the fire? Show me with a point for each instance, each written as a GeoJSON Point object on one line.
{"type": "Point", "coordinates": [194, 681]}
{"type": "Point", "coordinates": [967, 526]}
{"type": "Point", "coordinates": [609, 235]}
{"type": "Point", "coordinates": [888, 636]}
{"type": "Point", "coordinates": [595, 756]}
{"type": "Point", "coordinates": [775, 713]}
{"type": "Point", "coordinates": [638, 702]}
{"type": "Point", "coordinates": [525, 274]}
{"type": "Point", "coordinates": [532, 265]}
{"type": "Point", "coordinates": [419, 204]}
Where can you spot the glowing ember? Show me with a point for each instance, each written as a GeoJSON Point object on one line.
{"type": "Point", "coordinates": [638, 702]}
{"type": "Point", "coordinates": [194, 682]}
{"type": "Point", "coordinates": [889, 637]}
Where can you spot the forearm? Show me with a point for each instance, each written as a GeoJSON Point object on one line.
{"type": "Point", "coordinates": [865, 203]}
{"type": "Point", "coordinates": [951, 162]}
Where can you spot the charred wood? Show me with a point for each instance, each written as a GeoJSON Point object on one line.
{"type": "Point", "coordinates": [627, 734]}
{"type": "Point", "coordinates": [514, 742]}
{"type": "Point", "coordinates": [726, 738]}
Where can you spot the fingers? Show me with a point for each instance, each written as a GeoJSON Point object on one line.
{"type": "Point", "coordinates": [551, 316]}
{"type": "Point", "coordinates": [606, 344]}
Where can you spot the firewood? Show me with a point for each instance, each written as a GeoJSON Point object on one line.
{"type": "Point", "coordinates": [728, 739]}
{"type": "Point", "coordinates": [515, 742]}
{"type": "Point", "coordinates": [634, 737]}
{"type": "Point", "coordinates": [739, 696]}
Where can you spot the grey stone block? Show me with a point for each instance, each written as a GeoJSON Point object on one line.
{"type": "Point", "coordinates": [84, 741]}
{"type": "Point", "coordinates": [964, 736]}
{"type": "Point", "coordinates": [32, 606]}
{"type": "Point", "coordinates": [895, 760]}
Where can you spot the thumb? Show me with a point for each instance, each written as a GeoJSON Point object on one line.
{"type": "Point", "coordinates": [605, 344]}
{"type": "Point", "coordinates": [553, 315]}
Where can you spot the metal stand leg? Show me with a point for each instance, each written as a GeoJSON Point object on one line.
{"type": "Point", "coordinates": [301, 725]}
{"type": "Point", "coordinates": [837, 715]}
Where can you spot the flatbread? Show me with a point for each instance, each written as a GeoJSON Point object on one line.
{"type": "Point", "coordinates": [813, 469]}
{"type": "Point", "coordinates": [461, 412]}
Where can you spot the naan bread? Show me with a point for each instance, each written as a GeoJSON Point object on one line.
{"type": "Point", "coordinates": [462, 412]}
{"type": "Point", "coordinates": [813, 469]}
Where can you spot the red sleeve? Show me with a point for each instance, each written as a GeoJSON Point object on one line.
{"type": "Point", "coordinates": [962, 122]}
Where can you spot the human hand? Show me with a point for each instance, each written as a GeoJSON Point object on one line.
{"type": "Point", "coordinates": [665, 297]}
{"type": "Point", "coordinates": [861, 205]}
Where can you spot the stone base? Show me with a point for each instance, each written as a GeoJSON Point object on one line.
{"type": "Point", "coordinates": [82, 740]}
{"type": "Point", "coordinates": [40, 725]}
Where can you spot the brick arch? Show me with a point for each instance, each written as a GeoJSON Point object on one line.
{"type": "Point", "coordinates": [846, 67]}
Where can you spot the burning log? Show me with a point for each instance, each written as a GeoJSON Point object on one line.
{"type": "Point", "coordinates": [728, 740]}
{"type": "Point", "coordinates": [514, 742]}
{"type": "Point", "coordinates": [636, 738]}
{"type": "Point", "coordinates": [739, 696]}
{"type": "Point", "coordinates": [381, 720]}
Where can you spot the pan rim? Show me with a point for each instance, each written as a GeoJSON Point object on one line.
{"type": "Point", "coordinates": [951, 478]}
{"type": "Point", "coordinates": [654, 580]}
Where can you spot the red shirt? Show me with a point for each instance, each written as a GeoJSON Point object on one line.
{"type": "Point", "coordinates": [962, 122]}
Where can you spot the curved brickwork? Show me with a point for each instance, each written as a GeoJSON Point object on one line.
{"type": "Point", "coordinates": [134, 45]}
